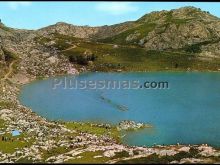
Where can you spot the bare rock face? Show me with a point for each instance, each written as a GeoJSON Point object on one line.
{"type": "Point", "coordinates": [175, 37]}
{"type": "Point", "coordinates": [178, 28]}
{"type": "Point", "coordinates": [68, 29]}
{"type": "Point", "coordinates": [211, 50]}
{"type": "Point", "coordinates": [83, 31]}
{"type": "Point", "coordinates": [133, 36]}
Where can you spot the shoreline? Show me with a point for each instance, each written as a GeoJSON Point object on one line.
{"type": "Point", "coordinates": [178, 45]}
{"type": "Point", "coordinates": [46, 134]}
{"type": "Point", "coordinates": [112, 72]}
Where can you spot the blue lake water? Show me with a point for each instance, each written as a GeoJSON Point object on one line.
{"type": "Point", "coordinates": [186, 113]}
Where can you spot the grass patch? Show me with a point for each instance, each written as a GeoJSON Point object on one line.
{"type": "Point", "coordinates": [2, 124]}
{"type": "Point", "coordinates": [5, 28]}
{"type": "Point", "coordinates": [9, 144]}
{"type": "Point", "coordinates": [94, 129]}
{"type": "Point", "coordinates": [88, 158]}
{"type": "Point", "coordinates": [104, 57]}
{"type": "Point", "coordinates": [196, 48]}
{"type": "Point", "coordinates": [129, 58]}
{"type": "Point", "coordinates": [54, 152]}
{"type": "Point", "coordinates": [6, 104]}
{"type": "Point", "coordinates": [9, 55]}
{"type": "Point", "coordinates": [62, 42]}
{"type": "Point", "coordinates": [3, 69]}
{"type": "Point", "coordinates": [42, 40]}
{"type": "Point", "coordinates": [156, 159]}
{"type": "Point", "coordinates": [24, 160]}
{"type": "Point", "coordinates": [142, 29]}
{"type": "Point", "coordinates": [177, 21]}
{"type": "Point", "coordinates": [121, 154]}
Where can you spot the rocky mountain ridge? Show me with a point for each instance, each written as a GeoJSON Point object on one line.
{"type": "Point", "coordinates": [156, 31]}
{"type": "Point", "coordinates": [183, 28]}
{"type": "Point", "coordinates": [85, 32]}
{"type": "Point", "coordinates": [187, 30]}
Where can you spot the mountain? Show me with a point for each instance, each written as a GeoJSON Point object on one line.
{"type": "Point", "coordinates": [84, 31]}
{"type": "Point", "coordinates": [161, 30]}
{"type": "Point", "coordinates": [186, 37]}
{"type": "Point", "coordinates": [156, 30]}
{"type": "Point", "coordinates": [171, 29]}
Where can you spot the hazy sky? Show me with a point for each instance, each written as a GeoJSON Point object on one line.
{"type": "Point", "coordinates": [34, 15]}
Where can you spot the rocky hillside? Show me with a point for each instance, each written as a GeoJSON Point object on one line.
{"type": "Point", "coordinates": [185, 38]}
{"type": "Point", "coordinates": [187, 28]}
{"type": "Point", "coordinates": [85, 32]}
{"type": "Point", "coordinates": [181, 28]}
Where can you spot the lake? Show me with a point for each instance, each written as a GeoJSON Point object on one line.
{"type": "Point", "coordinates": [188, 112]}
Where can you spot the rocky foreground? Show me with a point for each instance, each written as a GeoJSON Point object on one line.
{"type": "Point", "coordinates": [42, 135]}
{"type": "Point", "coordinates": [27, 55]}
{"type": "Point", "coordinates": [46, 135]}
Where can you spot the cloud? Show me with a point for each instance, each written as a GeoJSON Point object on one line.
{"type": "Point", "coordinates": [16, 5]}
{"type": "Point", "coordinates": [116, 8]}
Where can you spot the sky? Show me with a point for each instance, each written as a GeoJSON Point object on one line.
{"type": "Point", "coordinates": [35, 15]}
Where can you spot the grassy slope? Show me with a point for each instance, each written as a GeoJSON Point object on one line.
{"type": "Point", "coordinates": [3, 70]}
{"type": "Point", "coordinates": [9, 58]}
{"type": "Point", "coordinates": [12, 143]}
{"type": "Point", "coordinates": [88, 157]}
{"type": "Point", "coordinates": [142, 29]}
{"type": "Point", "coordinates": [82, 127]}
{"type": "Point", "coordinates": [93, 129]}
{"type": "Point", "coordinates": [129, 57]}
{"type": "Point", "coordinates": [155, 159]}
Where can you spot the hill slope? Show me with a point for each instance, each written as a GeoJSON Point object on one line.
{"type": "Point", "coordinates": [186, 28]}
{"type": "Point", "coordinates": [181, 39]}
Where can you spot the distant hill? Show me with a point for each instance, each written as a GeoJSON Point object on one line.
{"type": "Point", "coordinates": [155, 31]}
{"type": "Point", "coordinates": [181, 39]}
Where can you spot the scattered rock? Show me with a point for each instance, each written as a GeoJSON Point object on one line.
{"type": "Point", "coordinates": [131, 125]}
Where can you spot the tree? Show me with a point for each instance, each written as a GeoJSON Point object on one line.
{"type": "Point", "coordinates": [194, 48]}
{"type": "Point", "coordinates": [82, 59]}
{"type": "Point", "coordinates": [176, 65]}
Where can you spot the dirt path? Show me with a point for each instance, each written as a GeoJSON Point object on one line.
{"type": "Point", "coordinates": [100, 43]}
{"type": "Point", "coordinates": [9, 71]}
{"type": "Point", "coordinates": [71, 47]}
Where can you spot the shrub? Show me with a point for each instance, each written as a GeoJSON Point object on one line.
{"type": "Point", "coordinates": [82, 59]}
{"type": "Point", "coordinates": [193, 48]}
{"type": "Point", "coordinates": [9, 56]}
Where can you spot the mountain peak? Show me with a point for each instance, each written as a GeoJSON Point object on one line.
{"type": "Point", "coordinates": [188, 8]}
{"type": "Point", "coordinates": [187, 12]}
{"type": "Point", "coordinates": [61, 23]}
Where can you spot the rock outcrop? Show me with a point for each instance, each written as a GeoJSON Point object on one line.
{"type": "Point", "coordinates": [175, 29]}
{"type": "Point", "coordinates": [131, 125]}
{"type": "Point", "coordinates": [2, 55]}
